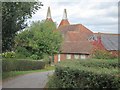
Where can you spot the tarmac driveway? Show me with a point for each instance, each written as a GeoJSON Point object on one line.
{"type": "Point", "coordinates": [33, 80]}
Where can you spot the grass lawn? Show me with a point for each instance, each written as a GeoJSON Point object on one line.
{"type": "Point", "coordinates": [7, 75]}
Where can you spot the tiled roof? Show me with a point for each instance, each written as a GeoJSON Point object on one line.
{"type": "Point", "coordinates": [75, 32]}
{"type": "Point", "coordinates": [75, 27]}
{"type": "Point", "coordinates": [64, 22]}
{"type": "Point", "coordinates": [75, 39]}
{"type": "Point", "coordinates": [72, 36]}
{"type": "Point", "coordinates": [82, 47]}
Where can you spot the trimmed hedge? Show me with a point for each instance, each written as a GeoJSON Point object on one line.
{"type": "Point", "coordinates": [76, 74]}
{"type": "Point", "coordinates": [103, 63]}
{"type": "Point", "coordinates": [21, 65]}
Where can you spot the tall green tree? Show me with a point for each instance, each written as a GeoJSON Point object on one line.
{"type": "Point", "coordinates": [40, 39]}
{"type": "Point", "coordinates": [14, 16]}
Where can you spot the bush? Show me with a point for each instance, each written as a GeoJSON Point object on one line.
{"type": "Point", "coordinates": [53, 82]}
{"type": "Point", "coordinates": [7, 65]}
{"type": "Point", "coordinates": [21, 65]}
{"type": "Point", "coordinates": [74, 74]}
{"type": "Point", "coordinates": [35, 57]}
{"type": "Point", "coordinates": [102, 54]}
{"type": "Point", "coordinates": [22, 52]}
{"type": "Point", "coordinates": [103, 63]}
{"type": "Point", "coordinates": [47, 59]}
{"type": "Point", "coordinates": [8, 54]}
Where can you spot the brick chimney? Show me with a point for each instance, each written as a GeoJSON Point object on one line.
{"type": "Point", "coordinates": [48, 17]}
{"type": "Point", "coordinates": [64, 19]}
{"type": "Point", "coordinates": [98, 44]}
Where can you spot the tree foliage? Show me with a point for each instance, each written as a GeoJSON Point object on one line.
{"type": "Point", "coordinates": [40, 39]}
{"type": "Point", "coordinates": [14, 16]}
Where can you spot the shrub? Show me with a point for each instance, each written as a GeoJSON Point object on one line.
{"type": "Point", "coordinates": [102, 54]}
{"type": "Point", "coordinates": [7, 65]}
{"type": "Point", "coordinates": [75, 74]}
{"type": "Point", "coordinates": [47, 59]}
{"type": "Point", "coordinates": [103, 63]}
{"type": "Point", "coordinates": [35, 57]}
{"type": "Point", "coordinates": [53, 82]}
{"type": "Point", "coordinates": [8, 54]}
{"type": "Point", "coordinates": [21, 65]}
{"type": "Point", "coordinates": [22, 52]}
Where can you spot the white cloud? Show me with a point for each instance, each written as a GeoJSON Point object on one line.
{"type": "Point", "coordinates": [97, 15]}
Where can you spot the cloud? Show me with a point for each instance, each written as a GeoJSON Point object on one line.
{"type": "Point", "coordinates": [97, 15]}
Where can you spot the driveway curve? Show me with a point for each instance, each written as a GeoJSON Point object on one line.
{"type": "Point", "coordinates": [32, 80]}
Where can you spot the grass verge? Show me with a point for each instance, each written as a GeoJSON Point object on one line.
{"type": "Point", "coordinates": [6, 75]}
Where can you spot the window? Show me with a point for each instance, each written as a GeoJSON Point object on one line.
{"type": "Point", "coordinates": [68, 56]}
{"type": "Point", "coordinates": [76, 56]}
{"type": "Point", "coordinates": [82, 56]}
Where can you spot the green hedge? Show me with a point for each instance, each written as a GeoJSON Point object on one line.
{"type": "Point", "coordinates": [76, 74]}
{"type": "Point", "coordinates": [103, 63]}
{"type": "Point", "coordinates": [21, 65]}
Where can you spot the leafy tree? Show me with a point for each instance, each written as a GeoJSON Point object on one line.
{"type": "Point", "coordinates": [14, 16]}
{"type": "Point", "coordinates": [40, 39]}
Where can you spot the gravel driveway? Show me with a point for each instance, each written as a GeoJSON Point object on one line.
{"type": "Point", "coordinates": [33, 80]}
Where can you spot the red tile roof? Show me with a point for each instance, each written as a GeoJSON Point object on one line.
{"type": "Point", "coordinates": [75, 27]}
{"type": "Point", "coordinates": [76, 39]}
{"type": "Point", "coordinates": [64, 22]}
{"type": "Point", "coordinates": [72, 36]}
{"type": "Point", "coordinates": [75, 32]}
{"type": "Point", "coordinates": [82, 47]}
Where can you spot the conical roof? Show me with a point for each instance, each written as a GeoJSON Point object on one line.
{"type": "Point", "coordinates": [48, 17]}
{"type": "Point", "coordinates": [64, 20]}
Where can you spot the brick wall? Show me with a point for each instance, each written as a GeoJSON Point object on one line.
{"type": "Point", "coordinates": [63, 57]}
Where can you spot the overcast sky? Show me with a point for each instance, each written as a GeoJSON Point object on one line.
{"type": "Point", "coordinates": [96, 15]}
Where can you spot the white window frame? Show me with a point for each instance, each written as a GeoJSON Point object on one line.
{"type": "Point", "coordinates": [82, 56]}
{"type": "Point", "coordinates": [76, 56]}
{"type": "Point", "coordinates": [68, 56]}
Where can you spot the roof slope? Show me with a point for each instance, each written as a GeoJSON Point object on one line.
{"type": "Point", "coordinates": [75, 39]}
{"type": "Point", "coordinates": [110, 42]}
{"type": "Point", "coordinates": [82, 47]}
{"type": "Point", "coordinates": [75, 32]}
{"type": "Point", "coordinates": [64, 22]}
{"type": "Point", "coordinates": [107, 41]}
{"type": "Point", "coordinates": [75, 27]}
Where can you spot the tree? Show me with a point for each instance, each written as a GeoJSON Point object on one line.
{"type": "Point", "coordinates": [40, 39]}
{"type": "Point", "coordinates": [14, 16]}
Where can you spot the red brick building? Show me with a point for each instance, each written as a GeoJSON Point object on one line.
{"type": "Point", "coordinates": [79, 42]}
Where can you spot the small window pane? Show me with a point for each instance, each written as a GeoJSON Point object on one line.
{"type": "Point", "coordinates": [83, 56]}
{"type": "Point", "coordinates": [76, 56]}
{"type": "Point", "coordinates": [68, 56]}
